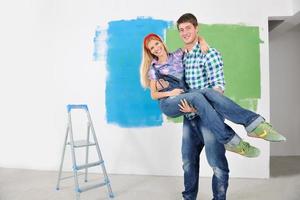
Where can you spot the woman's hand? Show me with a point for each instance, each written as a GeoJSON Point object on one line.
{"type": "Point", "coordinates": [185, 107]}
{"type": "Point", "coordinates": [175, 92]}
{"type": "Point", "coordinates": [203, 44]}
{"type": "Point", "coordinates": [161, 84]}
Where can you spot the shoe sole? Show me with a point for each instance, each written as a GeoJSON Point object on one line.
{"type": "Point", "coordinates": [269, 140]}
{"type": "Point", "coordinates": [244, 155]}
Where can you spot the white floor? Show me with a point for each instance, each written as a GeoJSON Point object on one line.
{"type": "Point", "coordinates": [284, 184]}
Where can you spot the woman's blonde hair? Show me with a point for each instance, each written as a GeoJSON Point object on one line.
{"type": "Point", "coordinates": [147, 59]}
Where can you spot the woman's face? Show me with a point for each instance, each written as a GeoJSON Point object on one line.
{"type": "Point", "coordinates": [156, 48]}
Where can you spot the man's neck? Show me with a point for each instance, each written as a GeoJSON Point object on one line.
{"type": "Point", "coordinates": [190, 46]}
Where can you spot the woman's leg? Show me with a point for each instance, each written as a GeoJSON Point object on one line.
{"type": "Point", "coordinates": [254, 124]}
{"type": "Point", "coordinates": [208, 115]}
{"type": "Point", "coordinates": [229, 109]}
{"type": "Point", "coordinates": [211, 120]}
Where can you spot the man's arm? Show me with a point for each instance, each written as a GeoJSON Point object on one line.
{"type": "Point", "coordinates": [186, 107]}
{"type": "Point", "coordinates": [215, 74]}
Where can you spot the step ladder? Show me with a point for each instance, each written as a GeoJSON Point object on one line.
{"type": "Point", "coordinates": [69, 141]}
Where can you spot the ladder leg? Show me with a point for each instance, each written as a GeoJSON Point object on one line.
{"type": "Point", "coordinates": [87, 152]}
{"type": "Point", "coordinates": [77, 189]}
{"type": "Point", "coordinates": [77, 196]}
{"type": "Point", "coordinates": [111, 195]}
{"type": "Point", "coordinates": [62, 159]}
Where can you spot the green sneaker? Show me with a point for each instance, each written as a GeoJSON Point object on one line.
{"type": "Point", "coordinates": [244, 149]}
{"type": "Point", "coordinates": [266, 132]}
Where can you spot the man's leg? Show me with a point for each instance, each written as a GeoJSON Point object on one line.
{"type": "Point", "coordinates": [255, 124]}
{"type": "Point", "coordinates": [191, 148]}
{"type": "Point", "coordinates": [215, 154]}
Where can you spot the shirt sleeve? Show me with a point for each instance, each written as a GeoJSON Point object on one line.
{"type": "Point", "coordinates": [151, 74]}
{"type": "Point", "coordinates": [178, 53]}
{"type": "Point", "coordinates": [214, 66]}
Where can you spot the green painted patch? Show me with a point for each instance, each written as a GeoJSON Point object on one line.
{"type": "Point", "coordinates": [239, 46]}
{"type": "Point", "coordinates": [176, 119]}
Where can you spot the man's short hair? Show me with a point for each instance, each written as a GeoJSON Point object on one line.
{"type": "Point", "coordinates": [187, 17]}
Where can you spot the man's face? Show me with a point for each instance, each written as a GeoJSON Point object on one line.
{"type": "Point", "coordinates": [187, 32]}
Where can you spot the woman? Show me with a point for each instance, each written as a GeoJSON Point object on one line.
{"type": "Point", "coordinates": [163, 73]}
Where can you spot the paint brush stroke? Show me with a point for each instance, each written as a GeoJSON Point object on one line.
{"type": "Point", "coordinates": [127, 103]}
{"type": "Point", "coordinates": [100, 46]}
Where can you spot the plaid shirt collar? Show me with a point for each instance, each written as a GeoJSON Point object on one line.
{"type": "Point", "coordinates": [195, 49]}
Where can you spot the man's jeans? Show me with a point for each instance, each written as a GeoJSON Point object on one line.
{"type": "Point", "coordinates": [209, 105]}
{"type": "Point", "coordinates": [195, 136]}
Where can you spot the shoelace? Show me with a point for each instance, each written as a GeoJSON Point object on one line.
{"type": "Point", "coordinates": [245, 145]}
{"type": "Point", "coordinates": [268, 124]}
{"type": "Point", "coordinates": [268, 128]}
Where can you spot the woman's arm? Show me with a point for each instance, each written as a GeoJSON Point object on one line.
{"type": "Point", "coordinates": [158, 95]}
{"type": "Point", "coordinates": [203, 44]}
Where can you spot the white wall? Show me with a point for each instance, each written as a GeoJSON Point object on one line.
{"type": "Point", "coordinates": [296, 6]}
{"type": "Point", "coordinates": [285, 93]}
{"type": "Point", "coordinates": [26, 84]}
{"type": "Point", "coordinates": [278, 8]}
{"type": "Point", "coordinates": [46, 63]}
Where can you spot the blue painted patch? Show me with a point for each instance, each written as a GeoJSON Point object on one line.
{"type": "Point", "coordinates": [96, 53]}
{"type": "Point", "coordinates": [127, 103]}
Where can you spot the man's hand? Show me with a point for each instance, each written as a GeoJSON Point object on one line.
{"type": "Point", "coordinates": [185, 107]}
{"type": "Point", "coordinates": [218, 89]}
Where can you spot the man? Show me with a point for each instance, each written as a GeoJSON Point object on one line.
{"type": "Point", "coordinates": [206, 71]}
{"type": "Point", "coordinates": [192, 143]}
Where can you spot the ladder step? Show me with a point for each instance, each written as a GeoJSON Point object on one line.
{"type": "Point", "coordinates": [82, 143]}
{"type": "Point", "coordinates": [89, 187]}
{"type": "Point", "coordinates": [79, 167]}
{"type": "Point", "coordinates": [77, 106]}
{"type": "Point", "coordinates": [67, 177]}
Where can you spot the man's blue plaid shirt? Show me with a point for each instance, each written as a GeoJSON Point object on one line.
{"type": "Point", "coordinates": [203, 70]}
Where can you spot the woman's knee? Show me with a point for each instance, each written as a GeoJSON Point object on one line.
{"type": "Point", "coordinates": [210, 93]}
{"type": "Point", "coordinates": [197, 98]}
